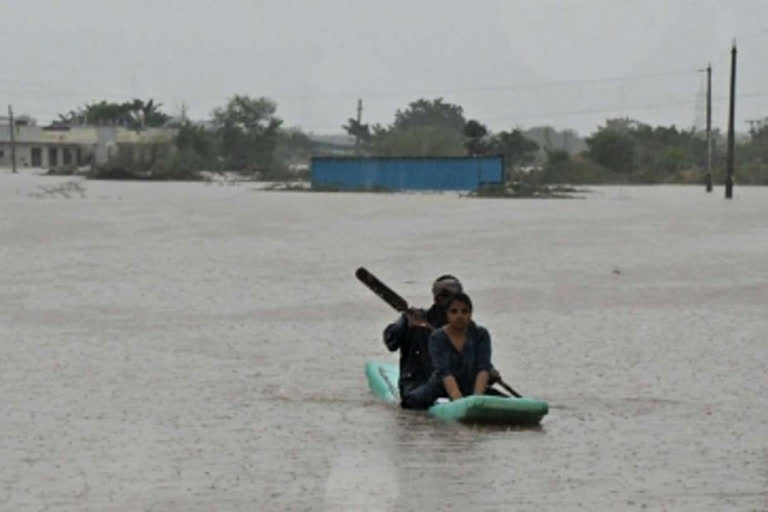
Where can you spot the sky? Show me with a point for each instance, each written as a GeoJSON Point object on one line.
{"type": "Point", "coordinates": [508, 63]}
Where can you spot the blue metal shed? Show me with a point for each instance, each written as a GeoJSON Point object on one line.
{"type": "Point", "coordinates": [407, 173]}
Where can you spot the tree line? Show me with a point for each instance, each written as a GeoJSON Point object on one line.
{"type": "Point", "coordinates": [247, 136]}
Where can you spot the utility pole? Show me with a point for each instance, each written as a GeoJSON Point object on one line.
{"type": "Point", "coordinates": [359, 121]}
{"type": "Point", "coordinates": [709, 127]}
{"type": "Point", "coordinates": [12, 131]}
{"type": "Point", "coordinates": [731, 133]}
{"type": "Point", "coordinates": [708, 175]}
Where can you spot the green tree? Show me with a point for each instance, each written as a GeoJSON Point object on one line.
{"type": "Point", "coordinates": [476, 134]}
{"type": "Point", "coordinates": [360, 131]}
{"type": "Point", "coordinates": [516, 148]}
{"type": "Point", "coordinates": [248, 115]}
{"type": "Point", "coordinates": [612, 149]}
{"type": "Point", "coordinates": [71, 118]}
{"type": "Point", "coordinates": [424, 128]}
{"type": "Point", "coordinates": [357, 129]}
{"type": "Point", "coordinates": [423, 112]}
{"type": "Point", "coordinates": [197, 140]}
{"type": "Point", "coordinates": [146, 114]}
{"type": "Point", "coordinates": [134, 114]}
{"type": "Point", "coordinates": [557, 157]}
{"type": "Point", "coordinates": [752, 156]}
{"type": "Point", "coordinates": [247, 130]}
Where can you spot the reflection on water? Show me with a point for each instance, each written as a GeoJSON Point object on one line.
{"type": "Point", "coordinates": [194, 347]}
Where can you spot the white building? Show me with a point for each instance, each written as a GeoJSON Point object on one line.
{"type": "Point", "coordinates": [52, 147]}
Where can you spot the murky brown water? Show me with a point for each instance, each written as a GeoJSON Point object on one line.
{"type": "Point", "coordinates": [191, 347]}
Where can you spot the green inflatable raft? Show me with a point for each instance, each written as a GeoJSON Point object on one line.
{"type": "Point", "coordinates": [489, 409]}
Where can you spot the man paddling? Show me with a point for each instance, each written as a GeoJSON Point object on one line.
{"type": "Point", "coordinates": [410, 333]}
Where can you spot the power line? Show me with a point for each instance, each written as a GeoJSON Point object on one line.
{"type": "Point", "coordinates": [381, 93]}
{"type": "Point", "coordinates": [752, 35]}
{"type": "Point", "coordinates": [597, 110]}
{"type": "Point", "coordinates": [542, 115]}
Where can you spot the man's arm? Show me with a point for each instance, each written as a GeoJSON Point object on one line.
{"type": "Point", "coordinates": [394, 334]}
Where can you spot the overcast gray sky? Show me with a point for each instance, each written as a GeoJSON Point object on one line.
{"type": "Point", "coordinates": [509, 63]}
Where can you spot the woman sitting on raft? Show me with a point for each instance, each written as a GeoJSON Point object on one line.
{"type": "Point", "coordinates": [461, 357]}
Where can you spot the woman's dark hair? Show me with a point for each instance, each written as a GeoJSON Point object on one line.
{"type": "Point", "coordinates": [462, 298]}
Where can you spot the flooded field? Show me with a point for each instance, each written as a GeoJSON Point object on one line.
{"type": "Point", "coordinates": [198, 347]}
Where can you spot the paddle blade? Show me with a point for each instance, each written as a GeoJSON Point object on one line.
{"type": "Point", "coordinates": [383, 291]}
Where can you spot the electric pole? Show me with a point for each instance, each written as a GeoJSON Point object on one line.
{"type": "Point", "coordinates": [709, 127]}
{"type": "Point", "coordinates": [359, 121]}
{"type": "Point", "coordinates": [731, 133]}
{"type": "Point", "coordinates": [12, 131]}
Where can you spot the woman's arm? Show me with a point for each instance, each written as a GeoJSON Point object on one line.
{"type": "Point", "coordinates": [483, 361]}
{"type": "Point", "coordinates": [481, 382]}
{"type": "Point", "coordinates": [439, 352]}
{"type": "Point", "coordinates": [452, 388]}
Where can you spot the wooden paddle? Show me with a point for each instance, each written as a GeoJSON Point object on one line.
{"type": "Point", "coordinates": [400, 304]}
{"type": "Point", "coordinates": [496, 379]}
{"type": "Point", "coordinates": [383, 291]}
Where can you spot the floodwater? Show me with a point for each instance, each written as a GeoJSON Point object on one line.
{"type": "Point", "coordinates": [200, 347]}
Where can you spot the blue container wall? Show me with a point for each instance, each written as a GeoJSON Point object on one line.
{"type": "Point", "coordinates": [407, 173]}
